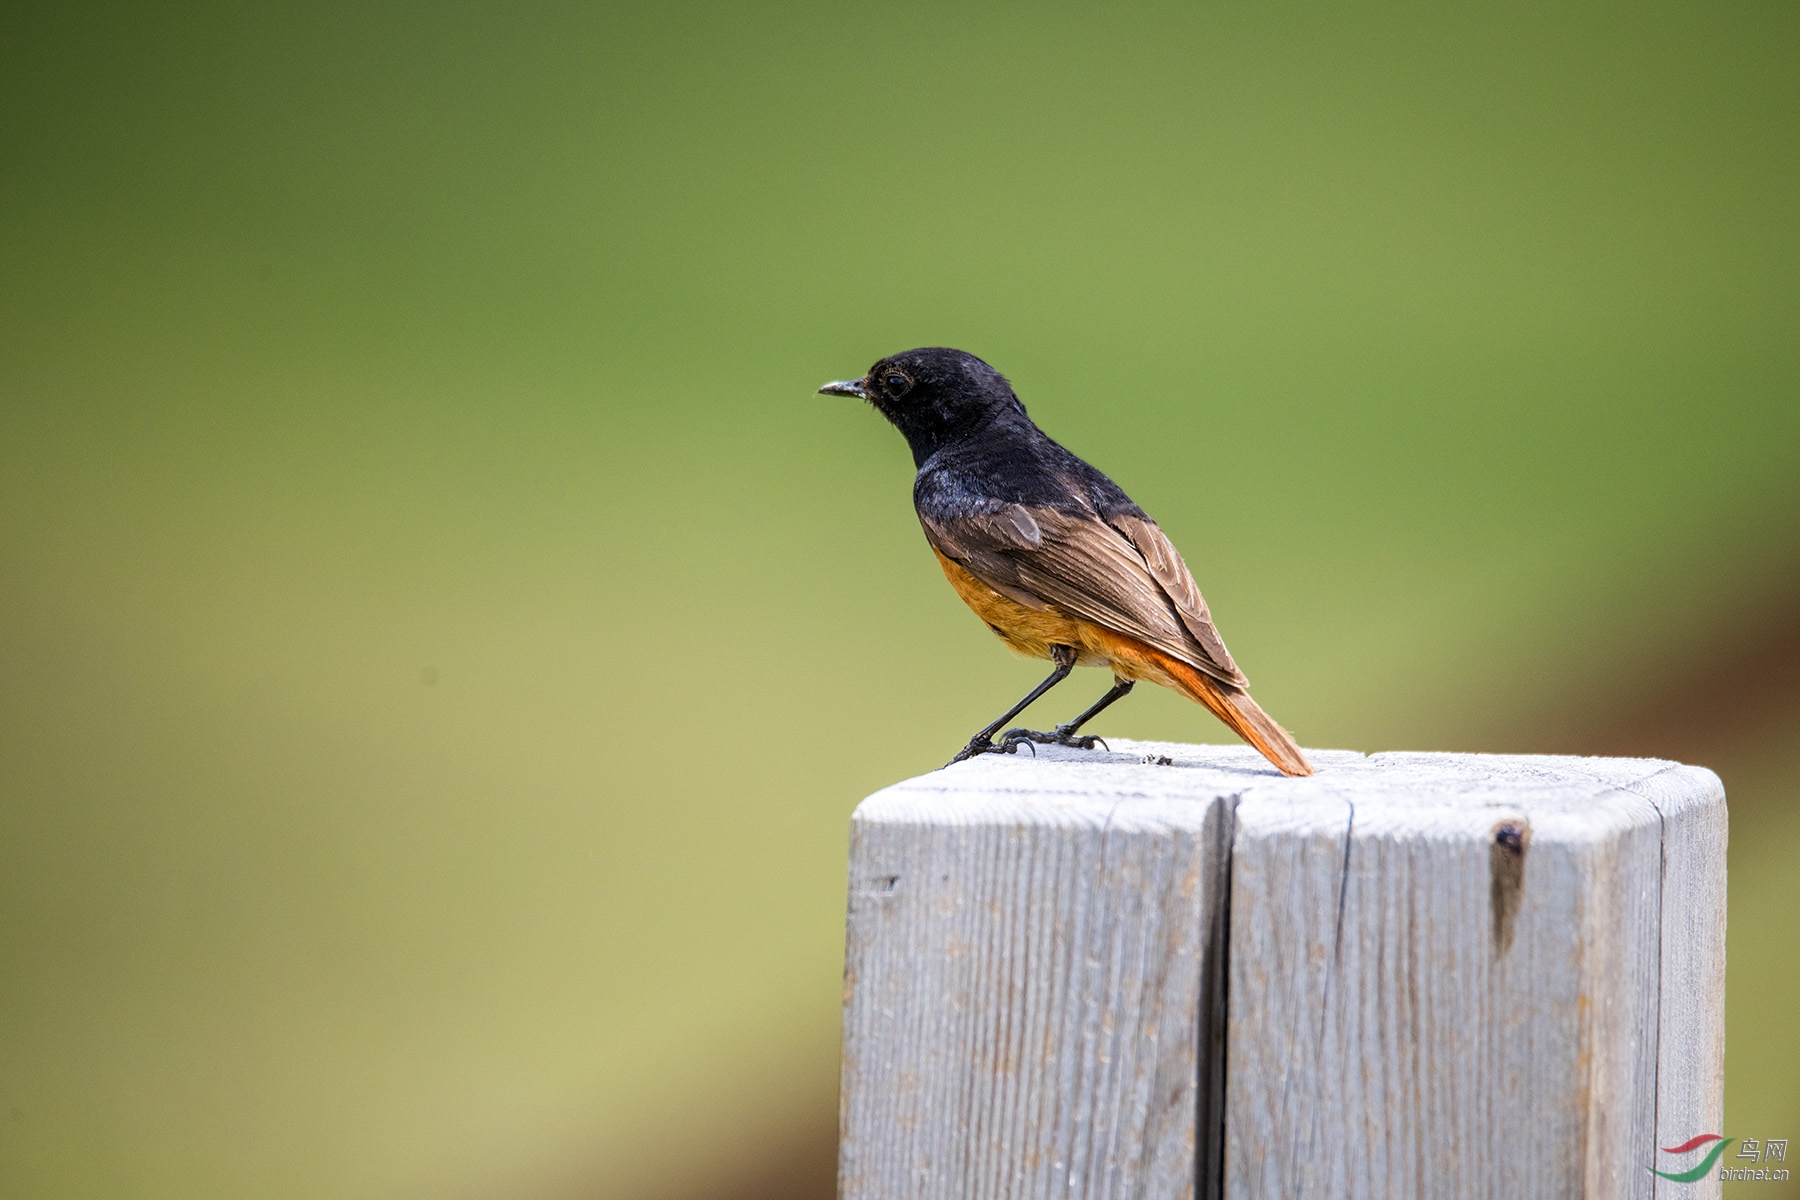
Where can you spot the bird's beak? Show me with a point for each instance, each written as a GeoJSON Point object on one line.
{"type": "Point", "coordinates": [847, 387]}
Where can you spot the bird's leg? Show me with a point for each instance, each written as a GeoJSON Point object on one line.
{"type": "Point", "coordinates": [983, 742]}
{"type": "Point", "coordinates": [1065, 733]}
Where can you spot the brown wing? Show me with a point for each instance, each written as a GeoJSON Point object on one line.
{"type": "Point", "coordinates": [1177, 582]}
{"type": "Point", "coordinates": [1123, 575]}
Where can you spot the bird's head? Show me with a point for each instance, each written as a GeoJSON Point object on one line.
{"type": "Point", "coordinates": [932, 395]}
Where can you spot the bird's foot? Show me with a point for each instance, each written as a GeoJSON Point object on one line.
{"type": "Point", "coordinates": [1009, 743]}
{"type": "Point", "coordinates": [1063, 735]}
{"type": "Point", "coordinates": [978, 745]}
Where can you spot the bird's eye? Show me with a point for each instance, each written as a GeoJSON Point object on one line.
{"type": "Point", "coordinates": [896, 383]}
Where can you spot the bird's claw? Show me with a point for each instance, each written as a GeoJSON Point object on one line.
{"type": "Point", "coordinates": [978, 746]}
{"type": "Point", "coordinates": [1012, 739]}
{"type": "Point", "coordinates": [1061, 736]}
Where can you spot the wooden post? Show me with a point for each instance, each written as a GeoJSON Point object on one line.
{"type": "Point", "coordinates": [1166, 971]}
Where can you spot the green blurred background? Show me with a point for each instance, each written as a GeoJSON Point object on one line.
{"type": "Point", "coordinates": [442, 636]}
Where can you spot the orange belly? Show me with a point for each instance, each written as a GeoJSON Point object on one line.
{"type": "Point", "coordinates": [1032, 631]}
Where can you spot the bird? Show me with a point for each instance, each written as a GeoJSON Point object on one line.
{"type": "Point", "coordinates": [1053, 555]}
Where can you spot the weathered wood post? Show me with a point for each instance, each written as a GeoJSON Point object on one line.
{"type": "Point", "coordinates": [1167, 971]}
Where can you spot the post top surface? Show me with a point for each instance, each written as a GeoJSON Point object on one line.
{"type": "Point", "coordinates": [1168, 784]}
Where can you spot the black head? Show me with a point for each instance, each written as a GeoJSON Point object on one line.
{"type": "Point", "coordinates": [933, 395]}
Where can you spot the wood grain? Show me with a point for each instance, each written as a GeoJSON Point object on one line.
{"type": "Point", "coordinates": [1690, 1083]}
{"type": "Point", "coordinates": [1384, 1041]}
{"type": "Point", "coordinates": [1025, 979]}
{"type": "Point", "coordinates": [1449, 975]}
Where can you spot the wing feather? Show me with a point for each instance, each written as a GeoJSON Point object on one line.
{"type": "Point", "coordinates": [1177, 582]}
{"type": "Point", "coordinates": [1123, 575]}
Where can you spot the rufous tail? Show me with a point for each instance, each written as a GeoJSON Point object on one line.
{"type": "Point", "coordinates": [1239, 711]}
